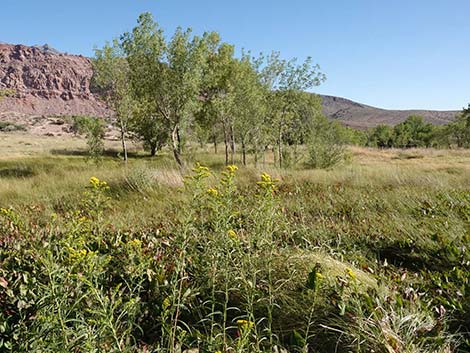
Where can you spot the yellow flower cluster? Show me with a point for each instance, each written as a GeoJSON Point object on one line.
{"type": "Point", "coordinates": [350, 273]}
{"type": "Point", "coordinates": [245, 324]}
{"type": "Point", "coordinates": [79, 255]}
{"type": "Point", "coordinates": [213, 192]}
{"type": "Point", "coordinates": [232, 235]}
{"type": "Point", "coordinates": [232, 168]}
{"type": "Point", "coordinates": [134, 242]}
{"type": "Point", "coordinates": [267, 182]}
{"type": "Point", "coordinates": [201, 171]}
{"type": "Point", "coordinates": [166, 303]}
{"type": "Point", "coordinates": [98, 184]}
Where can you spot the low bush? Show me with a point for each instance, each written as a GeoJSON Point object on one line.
{"type": "Point", "coordinates": [6, 126]}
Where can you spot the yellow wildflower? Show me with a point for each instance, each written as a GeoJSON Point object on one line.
{"type": "Point", "coordinates": [318, 276]}
{"type": "Point", "coordinates": [350, 273]}
{"type": "Point", "coordinates": [134, 242]}
{"type": "Point", "coordinates": [166, 303]}
{"type": "Point", "coordinates": [198, 168]}
{"type": "Point", "coordinates": [77, 255]}
{"type": "Point", "coordinates": [245, 324]}
{"type": "Point", "coordinates": [98, 184]}
{"type": "Point", "coordinates": [94, 181]}
{"type": "Point", "coordinates": [231, 233]}
{"type": "Point", "coordinates": [213, 192]}
{"type": "Point", "coordinates": [232, 168]}
{"type": "Point", "coordinates": [267, 182]}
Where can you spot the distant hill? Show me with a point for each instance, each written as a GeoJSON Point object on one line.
{"type": "Point", "coordinates": [363, 116]}
{"type": "Point", "coordinates": [49, 83]}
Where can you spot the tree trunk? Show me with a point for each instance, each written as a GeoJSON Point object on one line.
{"type": "Point", "coordinates": [243, 152]}
{"type": "Point", "coordinates": [279, 145]}
{"type": "Point", "coordinates": [232, 145]}
{"type": "Point", "coordinates": [123, 141]}
{"type": "Point", "coordinates": [215, 143]}
{"type": "Point", "coordinates": [153, 149]}
{"type": "Point", "coordinates": [273, 149]}
{"type": "Point", "coordinates": [176, 142]}
{"type": "Point", "coordinates": [264, 156]}
{"type": "Point", "coordinates": [226, 144]}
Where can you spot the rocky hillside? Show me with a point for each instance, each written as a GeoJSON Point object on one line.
{"type": "Point", "coordinates": [363, 116]}
{"type": "Point", "coordinates": [46, 82]}
{"type": "Point", "coordinates": [49, 83]}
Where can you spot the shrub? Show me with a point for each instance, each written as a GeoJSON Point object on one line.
{"type": "Point", "coordinates": [93, 129]}
{"type": "Point", "coordinates": [6, 126]}
{"type": "Point", "coordinates": [324, 152]}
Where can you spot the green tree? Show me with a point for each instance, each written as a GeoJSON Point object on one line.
{"type": "Point", "coordinates": [219, 90]}
{"type": "Point", "coordinates": [166, 76]}
{"type": "Point", "coordinates": [381, 136]}
{"type": "Point", "coordinates": [249, 103]}
{"type": "Point", "coordinates": [458, 132]}
{"type": "Point", "coordinates": [111, 79]}
{"type": "Point", "coordinates": [413, 132]}
{"type": "Point", "coordinates": [284, 80]}
{"type": "Point", "coordinates": [93, 129]}
{"type": "Point", "coordinates": [325, 147]}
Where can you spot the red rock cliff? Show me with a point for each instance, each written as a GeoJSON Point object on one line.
{"type": "Point", "coordinates": [46, 82]}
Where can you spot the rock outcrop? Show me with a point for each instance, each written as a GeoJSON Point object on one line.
{"type": "Point", "coordinates": [46, 83]}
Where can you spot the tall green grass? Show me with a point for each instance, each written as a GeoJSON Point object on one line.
{"type": "Point", "coordinates": [369, 256]}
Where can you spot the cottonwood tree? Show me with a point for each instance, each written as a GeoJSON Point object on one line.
{"type": "Point", "coordinates": [458, 131]}
{"type": "Point", "coordinates": [207, 120]}
{"type": "Point", "coordinates": [166, 75]}
{"type": "Point", "coordinates": [249, 103]}
{"type": "Point", "coordinates": [218, 91]}
{"type": "Point", "coordinates": [111, 79]}
{"type": "Point", "coordinates": [233, 97]}
{"type": "Point", "coordinates": [284, 80]}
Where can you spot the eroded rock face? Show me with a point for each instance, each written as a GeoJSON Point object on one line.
{"type": "Point", "coordinates": [47, 83]}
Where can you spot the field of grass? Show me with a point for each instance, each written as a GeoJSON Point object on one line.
{"type": "Point", "coordinates": [370, 256]}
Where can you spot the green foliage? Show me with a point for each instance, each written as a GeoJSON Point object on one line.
{"type": "Point", "coordinates": [381, 136]}
{"type": "Point", "coordinates": [195, 84]}
{"type": "Point", "coordinates": [93, 129]}
{"type": "Point", "coordinates": [458, 132]}
{"type": "Point", "coordinates": [7, 93]}
{"type": "Point", "coordinates": [6, 126]}
{"type": "Point", "coordinates": [239, 263]}
{"type": "Point", "coordinates": [414, 132]}
{"type": "Point", "coordinates": [111, 80]}
{"type": "Point", "coordinates": [326, 145]}
{"type": "Point", "coordinates": [286, 82]}
{"type": "Point", "coordinates": [165, 77]}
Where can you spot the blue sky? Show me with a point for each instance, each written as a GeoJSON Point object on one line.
{"type": "Point", "coordinates": [396, 54]}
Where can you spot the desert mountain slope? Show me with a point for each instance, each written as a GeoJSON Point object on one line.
{"type": "Point", "coordinates": [364, 116]}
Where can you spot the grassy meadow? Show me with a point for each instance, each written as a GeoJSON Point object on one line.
{"type": "Point", "coordinates": [369, 256]}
